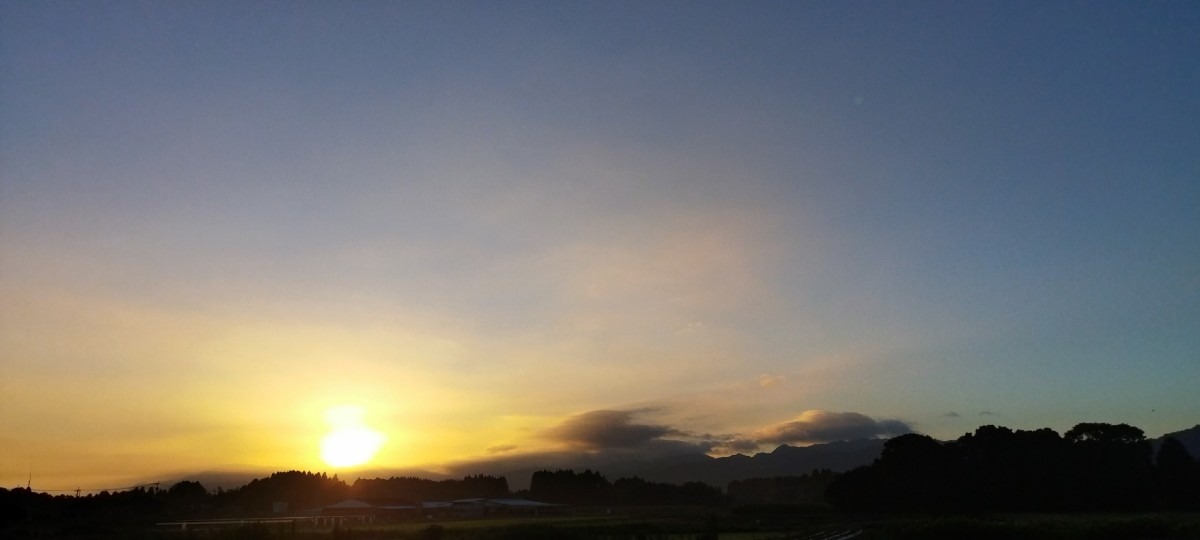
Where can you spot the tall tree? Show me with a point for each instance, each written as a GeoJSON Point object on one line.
{"type": "Point", "coordinates": [1176, 476]}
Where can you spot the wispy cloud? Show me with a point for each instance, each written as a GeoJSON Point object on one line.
{"type": "Point", "coordinates": [767, 381]}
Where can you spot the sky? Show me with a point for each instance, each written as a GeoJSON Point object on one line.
{"type": "Point", "coordinates": [505, 230]}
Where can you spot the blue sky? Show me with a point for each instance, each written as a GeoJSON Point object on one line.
{"type": "Point", "coordinates": [483, 222]}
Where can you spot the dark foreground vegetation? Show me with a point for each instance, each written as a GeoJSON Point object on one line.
{"type": "Point", "coordinates": [1095, 481]}
{"type": "Point", "coordinates": [1093, 467]}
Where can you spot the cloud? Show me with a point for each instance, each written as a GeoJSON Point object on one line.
{"type": "Point", "coordinates": [988, 413]}
{"type": "Point", "coordinates": [606, 429]}
{"type": "Point", "coordinates": [767, 381]}
{"type": "Point", "coordinates": [816, 426]}
{"type": "Point", "coordinates": [623, 442]}
{"type": "Point", "coordinates": [618, 431]}
{"type": "Point", "coordinates": [613, 441]}
{"type": "Point", "coordinates": [952, 414]}
{"type": "Point", "coordinates": [730, 444]}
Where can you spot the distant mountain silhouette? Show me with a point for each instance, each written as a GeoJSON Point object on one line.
{"type": "Point", "coordinates": [233, 477]}
{"type": "Point", "coordinates": [699, 467]}
{"type": "Point", "coordinates": [783, 461]}
{"type": "Point", "coordinates": [687, 467]}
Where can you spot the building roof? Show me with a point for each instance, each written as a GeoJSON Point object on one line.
{"type": "Point", "coordinates": [374, 502]}
{"type": "Point", "coordinates": [503, 501]}
{"type": "Point", "coordinates": [518, 502]}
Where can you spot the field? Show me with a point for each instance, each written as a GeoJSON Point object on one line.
{"type": "Point", "coordinates": [701, 525]}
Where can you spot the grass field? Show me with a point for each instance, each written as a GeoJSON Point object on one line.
{"type": "Point", "coordinates": [705, 525]}
{"type": "Point", "coordinates": [697, 526]}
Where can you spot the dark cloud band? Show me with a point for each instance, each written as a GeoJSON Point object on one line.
{"type": "Point", "coordinates": [607, 429]}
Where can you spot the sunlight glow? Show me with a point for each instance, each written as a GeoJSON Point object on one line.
{"type": "Point", "coordinates": [350, 442]}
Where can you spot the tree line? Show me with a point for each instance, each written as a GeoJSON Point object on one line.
{"type": "Point", "coordinates": [1092, 467]}
{"type": "Point", "coordinates": [788, 490]}
{"type": "Point", "coordinates": [294, 491]}
{"type": "Point", "coordinates": [593, 489]}
{"type": "Point", "coordinates": [281, 492]}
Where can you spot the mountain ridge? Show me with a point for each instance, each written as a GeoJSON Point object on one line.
{"type": "Point", "coordinates": [784, 460]}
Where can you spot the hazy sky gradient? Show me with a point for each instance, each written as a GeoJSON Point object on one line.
{"type": "Point", "coordinates": [490, 224]}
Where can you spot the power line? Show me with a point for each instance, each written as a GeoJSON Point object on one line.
{"type": "Point", "coordinates": [98, 490]}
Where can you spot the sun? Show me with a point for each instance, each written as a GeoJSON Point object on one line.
{"type": "Point", "coordinates": [347, 447]}
{"type": "Point", "coordinates": [350, 441]}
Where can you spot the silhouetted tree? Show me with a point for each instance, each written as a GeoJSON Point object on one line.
{"type": "Point", "coordinates": [1041, 473]}
{"type": "Point", "coordinates": [809, 488]}
{"type": "Point", "coordinates": [1110, 466]}
{"type": "Point", "coordinates": [989, 468]}
{"type": "Point", "coordinates": [185, 499]}
{"type": "Point", "coordinates": [1173, 458]}
{"type": "Point", "coordinates": [1177, 479]}
{"type": "Point", "coordinates": [1094, 432]}
{"type": "Point", "coordinates": [861, 488]}
{"type": "Point", "coordinates": [567, 486]}
{"type": "Point", "coordinates": [421, 489]}
{"type": "Point", "coordinates": [636, 491]}
{"type": "Point", "coordinates": [300, 490]}
{"type": "Point", "coordinates": [1095, 466]}
{"type": "Point", "coordinates": [916, 472]}
{"type": "Point", "coordinates": [1001, 469]}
